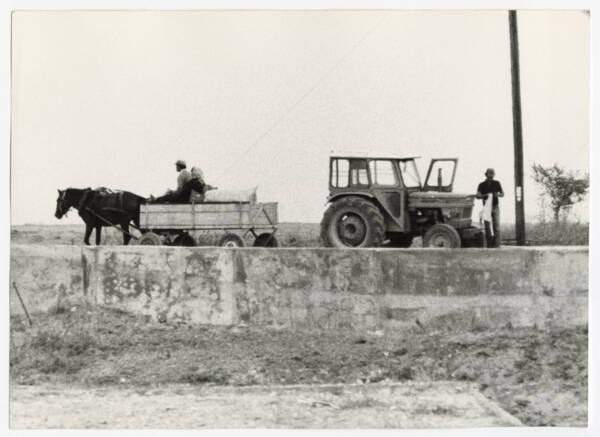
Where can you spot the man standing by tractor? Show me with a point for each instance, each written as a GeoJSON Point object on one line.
{"type": "Point", "coordinates": [492, 187]}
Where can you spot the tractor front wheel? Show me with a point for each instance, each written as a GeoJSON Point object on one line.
{"type": "Point", "coordinates": [352, 222]}
{"type": "Point", "coordinates": [443, 236]}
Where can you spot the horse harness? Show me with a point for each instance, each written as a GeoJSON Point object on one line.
{"type": "Point", "coordinates": [84, 200]}
{"type": "Point", "coordinates": [95, 193]}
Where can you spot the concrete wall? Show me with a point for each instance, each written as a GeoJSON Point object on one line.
{"type": "Point", "coordinates": [364, 290]}
{"type": "Point", "coordinates": [44, 274]}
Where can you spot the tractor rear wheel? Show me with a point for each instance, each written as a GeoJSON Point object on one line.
{"type": "Point", "coordinates": [442, 235]}
{"type": "Point", "coordinates": [352, 222]}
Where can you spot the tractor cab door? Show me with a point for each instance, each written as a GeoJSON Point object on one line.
{"type": "Point", "coordinates": [440, 176]}
{"type": "Point", "coordinates": [387, 189]}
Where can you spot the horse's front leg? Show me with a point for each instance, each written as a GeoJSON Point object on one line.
{"type": "Point", "coordinates": [98, 235]}
{"type": "Point", "coordinates": [88, 232]}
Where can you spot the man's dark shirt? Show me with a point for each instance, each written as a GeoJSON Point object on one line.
{"type": "Point", "coordinates": [487, 187]}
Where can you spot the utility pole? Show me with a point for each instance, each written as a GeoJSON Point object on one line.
{"type": "Point", "coordinates": [517, 128]}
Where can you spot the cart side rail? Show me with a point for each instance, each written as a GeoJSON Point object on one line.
{"type": "Point", "coordinates": [205, 216]}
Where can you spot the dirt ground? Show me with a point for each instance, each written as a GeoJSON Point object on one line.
{"type": "Point", "coordinates": [538, 376]}
{"type": "Point", "coordinates": [382, 405]}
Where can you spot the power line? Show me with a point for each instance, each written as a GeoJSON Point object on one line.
{"type": "Point", "coordinates": [303, 97]}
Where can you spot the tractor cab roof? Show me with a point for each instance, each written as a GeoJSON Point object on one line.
{"type": "Point", "coordinates": [371, 156]}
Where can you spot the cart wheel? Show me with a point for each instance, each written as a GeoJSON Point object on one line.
{"type": "Point", "coordinates": [185, 240]}
{"type": "Point", "coordinates": [150, 239]}
{"type": "Point", "coordinates": [266, 240]}
{"type": "Point", "coordinates": [231, 240]}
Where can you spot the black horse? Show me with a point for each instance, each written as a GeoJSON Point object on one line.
{"type": "Point", "coordinates": [100, 208]}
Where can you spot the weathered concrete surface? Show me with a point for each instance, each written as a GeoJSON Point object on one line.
{"type": "Point", "coordinates": [44, 274]}
{"type": "Point", "coordinates": [345, 289]}
{"type": "Point", "coordinates": [409, 405]}
{"type": "Point", "coordinates": [380, 289]}
{"type": "Point", "coordinates": [164, 283]}
{"type": "Point", "coordinates": [363, 290]}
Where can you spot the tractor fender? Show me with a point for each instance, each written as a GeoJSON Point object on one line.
{"type": "Point", "coordinates": [334, 197]}
{"type": "Point", "coordinates": [369, 197]}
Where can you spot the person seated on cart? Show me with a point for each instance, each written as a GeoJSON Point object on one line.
{"type": "Point", "coordinates": [199, 189]}
{"type": "Point", "coordinates": [183, 177]}
{"type": "Point", "coordinates": [192, 191]}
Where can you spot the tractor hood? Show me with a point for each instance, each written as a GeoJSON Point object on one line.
{"type": "Point", "coordinates": [437, 199]}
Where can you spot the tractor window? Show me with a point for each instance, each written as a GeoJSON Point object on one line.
{"type": "Point", "coordinates": [410, 174]}
{"type": "Point", "coordinates": [358, 173]}
{"type": "Point", "coordinates": [441, 174]}
{"type": "Point", "coordinates": [382, 173]}
{"type": "Point", "coordinates": [339, 173]}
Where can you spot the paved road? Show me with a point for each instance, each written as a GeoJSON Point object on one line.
{"type": "Point", "coordinates": [408, 405]}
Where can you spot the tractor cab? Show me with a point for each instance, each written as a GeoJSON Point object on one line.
{"type": "Point", "coordinates": [362, 172]}
{"type": "Point", "coordinates": [398, 203]}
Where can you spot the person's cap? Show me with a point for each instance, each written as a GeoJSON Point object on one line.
{"type": "Point", "coordinates": [490, 171]}
{"type": "Point", "coordinates": [180, 162]}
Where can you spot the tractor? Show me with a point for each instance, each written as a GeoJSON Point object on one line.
{"type": "Point", "coordinates": [376, 201]}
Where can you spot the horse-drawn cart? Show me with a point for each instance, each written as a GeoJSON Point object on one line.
{"type": "Point", "coordinates": [171, 224]}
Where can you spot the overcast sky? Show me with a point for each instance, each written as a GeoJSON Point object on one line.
{"type": "Point", "coordinates": [260, 98]}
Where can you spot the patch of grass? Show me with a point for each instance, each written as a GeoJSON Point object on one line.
{"type": "Point", "coordinates": [404, 373]}
{"type": "Point", "coordinates": [53, 345]}
{"type": "Point", "coordinates": [104, 380]}
{"type": "Point", "coordinates": [552, 234]}
{"type": "Point", "coordinates": [206, 376]}
{"type": "Point", "coordinates": [363, 402]}
{"type": "Point", "coordinates": [47, 341]}
{"type": "Point", "coordinates": [59, 363]}
{"type": "Point", "coordinates": [437, 410]}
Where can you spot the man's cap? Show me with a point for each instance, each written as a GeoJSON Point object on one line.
{"type": "Point", "coordinates": [181, 163]}
{"type": "Point", "coordinates": [490, 170]}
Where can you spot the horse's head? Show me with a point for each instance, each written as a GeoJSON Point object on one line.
{"type": "Point", "coordinates": [71, 198]}
{"type": "Point", "coordinates": [62, 204]}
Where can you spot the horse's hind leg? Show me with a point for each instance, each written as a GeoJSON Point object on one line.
{"type": "Point", "coordinates": [88, 232]}
{"type": "Point", "coordinates": [126, 237]}
{"type": "Point", "coordinates": [98, 235]}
